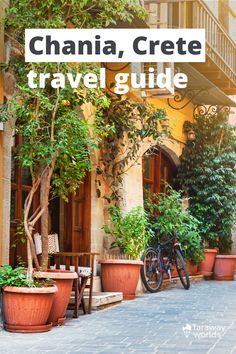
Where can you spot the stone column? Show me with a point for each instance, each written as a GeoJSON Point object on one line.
{"type": "Point", "coordinates": [5, 160]}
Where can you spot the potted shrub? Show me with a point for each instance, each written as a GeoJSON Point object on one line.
{"type": "Point", "coordinates": [26, 303]}
{"type": "Point", "coordinates": [172, 218]}
{"type": "Point", "coordinates": [131, 236]}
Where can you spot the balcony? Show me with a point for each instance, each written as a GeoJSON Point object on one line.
{"type": "Point", "coordinates": [220, 66]}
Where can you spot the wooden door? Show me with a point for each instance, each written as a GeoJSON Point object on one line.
{"type": "Point", "coordinates": [158, 168]}
{"type": "Point", "coordinates": [20, 187]}
{"type": "Point", "coordinates": [78, 219]}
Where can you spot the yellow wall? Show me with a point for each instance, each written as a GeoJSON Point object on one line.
{"type": "Point", "coordinates": [176, 117]}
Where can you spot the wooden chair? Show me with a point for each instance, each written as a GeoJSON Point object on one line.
{"type": "Point", "coordinates": [83, 264]}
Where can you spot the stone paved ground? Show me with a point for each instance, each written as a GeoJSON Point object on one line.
{"type": "Point", "coordinates": [153, 323]}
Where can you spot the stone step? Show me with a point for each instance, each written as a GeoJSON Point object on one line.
{"type": "Point", "coordinates": [193, 279]}
{"type": "Point", "coordinates": [100, 300]}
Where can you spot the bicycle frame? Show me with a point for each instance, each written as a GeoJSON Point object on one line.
{"type": "Point", "coordinates": [162, 258]}
{"type": "Point", "coordinates": [168, 261]}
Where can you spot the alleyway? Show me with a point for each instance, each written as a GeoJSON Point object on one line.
{"type": "Point", "coordinates": [201, 320]}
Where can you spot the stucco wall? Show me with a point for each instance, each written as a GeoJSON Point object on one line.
{"type": "Point", "coordinates": [6, 195]}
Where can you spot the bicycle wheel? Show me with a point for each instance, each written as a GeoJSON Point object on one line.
{"type": "Point", "coordinates": [181, 269]}
{"type": "Point", "coordinates": [151, 270]}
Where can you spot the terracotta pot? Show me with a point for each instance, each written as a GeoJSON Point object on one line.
{"type": "Point", "coordinates": [27, 309]}
{"type": "Point", "coordinates": [119, 275]}
{"type": "Point", "coordinates": [224, 267]}
{"type": "Point", "coordinates": [192, 268]}
{"type": "Point", "coordinates": [28, 329]}
{"type": "Point", "coordinates": [64, 281]}
{"type": "Point", "coordinates": [206, 266]}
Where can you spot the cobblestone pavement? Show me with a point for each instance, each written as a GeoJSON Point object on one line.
{"type": "Point", "coordinates": [200, 320]}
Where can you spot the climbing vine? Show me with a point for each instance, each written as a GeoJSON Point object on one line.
{"type": "Point", "coordinates": [133, 123]}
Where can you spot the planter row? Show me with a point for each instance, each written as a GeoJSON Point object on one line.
{"type": "Point", "coordinates": [222, 266]}
{"type": "Point", "coordinates": [38, 309]}
{"type": "Point", "coordinates": [33, 310]}
{"type": "Point", "coordinates": [122, 276]}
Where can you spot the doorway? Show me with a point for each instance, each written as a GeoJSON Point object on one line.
{"type": "Point", "coordinates": [71, 220]}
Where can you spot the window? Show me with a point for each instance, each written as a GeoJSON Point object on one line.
{"type": "Point", "coordinates": [158, 168]}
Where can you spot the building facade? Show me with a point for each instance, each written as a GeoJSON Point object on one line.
{"type": "Point", "coordinates": [79, 222]}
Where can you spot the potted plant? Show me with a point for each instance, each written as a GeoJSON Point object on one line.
{"type": "Point", "coordinates": [131, 236]}
{"type": "Point", "coordinates": [171, 217]}
{"type": "Point", "coordinates": [207, 265]}
{"type": "Point", "coordinates": [225, 266]}
{"type": "Point", "coordinates": [26, 303]}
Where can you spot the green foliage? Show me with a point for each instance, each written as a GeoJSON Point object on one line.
{"type": "Point", "coordinates": [173, 219]}
{"type": "Point", "coordinates": [57, 14]}
{"type": "Point", "coordinates": [20, 235]}
{"type": "Point", "coordinates": [49, 120]}
{"type": "Point", "coordinates": [57, 139]}
{"type": "Point", "coordinates": [207, 174]}
{"type": "Point", "coordinates": [130, 231]}
{"type": "Point", "coordinates": [133, 122]}
{"type": "Point", "coordinates": [18, 277]}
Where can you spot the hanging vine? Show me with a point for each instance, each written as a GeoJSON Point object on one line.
{"type": "Point", "coordinates": [133, 123]}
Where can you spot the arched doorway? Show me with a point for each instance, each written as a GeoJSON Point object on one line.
{"type": "Point", "coordinates": [158, 168]}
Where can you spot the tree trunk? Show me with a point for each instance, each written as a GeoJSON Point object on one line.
{"type": "Point", "coordinates": [44, 201]}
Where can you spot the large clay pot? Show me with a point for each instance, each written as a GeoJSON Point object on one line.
{"type": "Point", "coordinates": [206, 266]}
{"type": "Point", "coordinates": [27, 309]}
{"type": "Point", "coordinates": [119, 275]}
{"type": "Point", "coordinates": [224, 267]}
{"type": "Point", "coordinates": [64, 281]}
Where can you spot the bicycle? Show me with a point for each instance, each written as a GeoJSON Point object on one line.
{"type": "Point", "coordinates": [155, 264]}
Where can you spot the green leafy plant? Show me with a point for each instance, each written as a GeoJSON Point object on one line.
{"type": "Point", "coordinates": [133, 123]}
{"type": "Point", "coordinates": [131, 231]}
{"type": "Point", "coordinates": [207, 175]}
{"type": "Point", "coordinates": [18, 277]}
{"type": "Point", "coordinates": [172, 219]}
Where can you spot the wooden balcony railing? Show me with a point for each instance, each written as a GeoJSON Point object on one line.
{"type": "Point", "coordinates": [220, 48]}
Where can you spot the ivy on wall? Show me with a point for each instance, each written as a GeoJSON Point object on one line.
{"type": "Point", "coordinates": [133, 123]}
